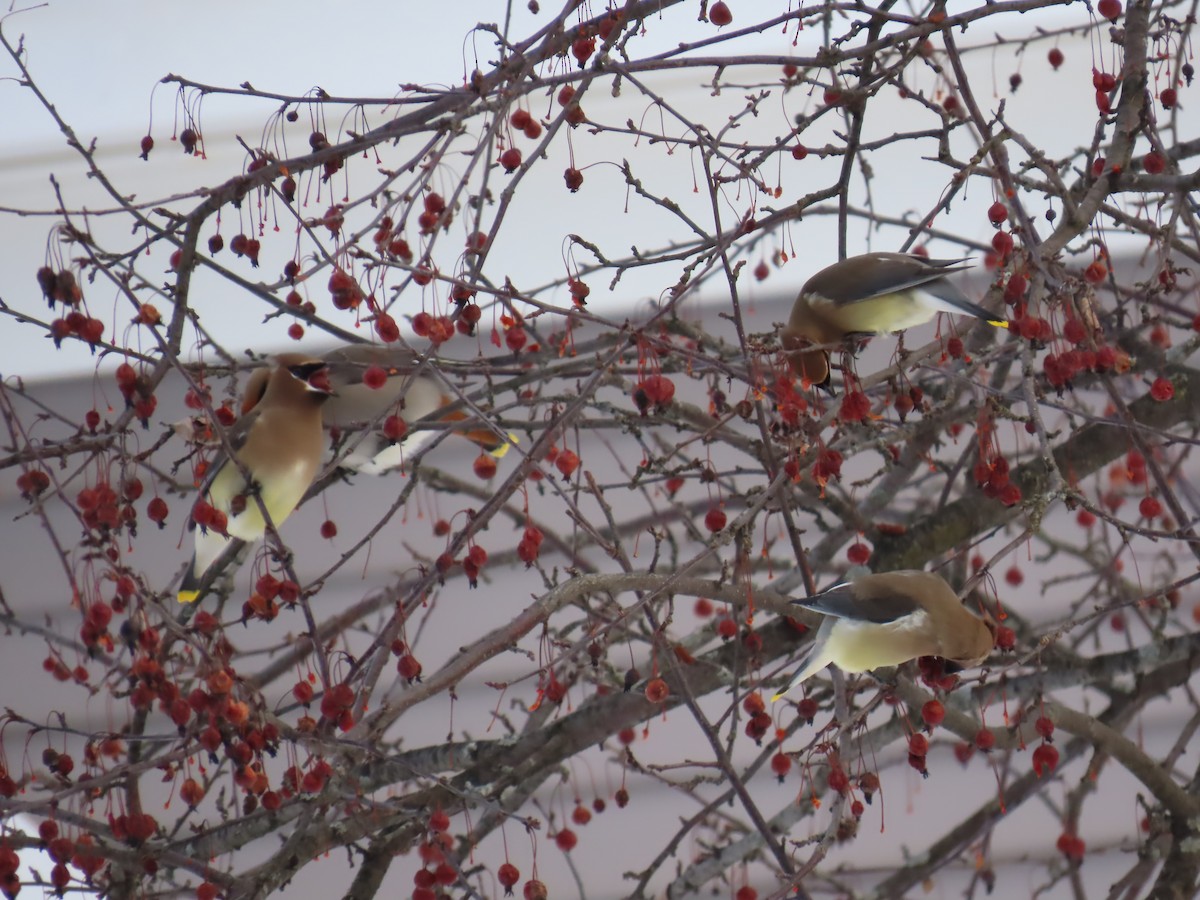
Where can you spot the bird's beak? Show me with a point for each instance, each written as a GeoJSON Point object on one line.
{"type": "Point", "coordinates": [315, 376]}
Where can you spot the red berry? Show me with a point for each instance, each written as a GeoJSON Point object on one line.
{"type": "Point", "coordinates": [719, 14]}
{"type": "Point", "coordinates": [484, 466]}
{"type": "Point", "coordinates": [1162, 389]}
{"type": "Point", "coordinates": [387, 329]}
{"type": "Point", "coordinates": [1014, 576]}
{"type": "Point", "coordinates": [510, 159]}
{"type": "Point", "coordinates": [1153, 163]}
{"type": "Point", "coordinates": [781, 764]}
{"type": "Point", "coordinates": [508, 875]}
{"type": "Point", "coordinates": [1110, 9]}
{"type": "Point", "coordinates": [567, 462]}
{"type": "Point", "coordinates": [1045, 759]}
{"type": "Point", "coordinates": [374, 377]}
{"type": "Point", "coordinates": [408, 667]}
{"type": "Point", "coordinates": [859, 553]}
{"type": "Point", "coordinates": [1103, 81]}
{"type": "Point", "coordinates": [657, 690]}
{"type": "Point", "coordinates": [997, 213]}
{"type": "Point", "coordinates": [838, 780]}
{"type": "Point", "coordinates": [573, 178]}
{"type": "Point", "coordinates": [984, 739]}
{"type": "Point", "coordinates": [329, 529]}
{"type": "Point", "coordinates": [933, 713]}
{"type": "Point", "coordinates": [582, 48]}
{"type": "Point", "coordinates": [1150, 507]}
{"type": "Point", "coordinates": [156, 511]}
{"type": "Point", "coordinates": [1055, 57]}
{"type": "Point", "coordinates": [714, 519]}
{"type": "Point", "coordinates": [566, 840]}
{"type": "Point", "coordinates": [799, 152]}
{"type": "Point", "coordinates": [439, 821]}
{"type": "Point", "coordinates": [1169, 98]}
{"type": "Point", "coordinates": [515, 338]}
{"type": "Point", "coordinates": [1044, 727]}
{"type": "Point", "coordinates": [918, 745]}
{"type": "Point", "coordinates": [394, 428]}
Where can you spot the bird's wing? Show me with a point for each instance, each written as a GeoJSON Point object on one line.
{"type": "Point", "coordinates": [236, 434]}
{"type": "Point", "coordinates": [842, 602]}
{"type": "Point", "coordinates": [877, 274]}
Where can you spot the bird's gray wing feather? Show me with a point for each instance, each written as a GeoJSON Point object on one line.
{"type": "Point", "coordinates": [842, 602]}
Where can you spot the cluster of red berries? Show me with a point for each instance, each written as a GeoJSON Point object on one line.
{"type": "Point", "coordinates": [59, 287]}
{"type": "Point", "coordinates": [137, 391]}
{"type": "Point", "coordinates": [100, 507]}
{"type": "Point", "coordinates": [76, 324]}
{"type": "Point", "coordinates": [32, 482]}
{"type": "Point", "coordinates": [337, 705]}
{"type": "Point", "coordinates": [387, 241]}
{"type": "Point", "coordinates": [759, 724]}
{"type": "Point", "coordinates": [435, 214]}
{"type": "Point", "coordinates": [296, 781]}
{"type": "Point", "coordinates": [828, 466]}
{"type": "Point", "coordinates": [474, 562]}
{"type": "Point", "coordinates": [267, 589]}
{"type": "Point", "coordinates": [855, 407]}
{"type": "Point", "coordinates": [1045, 756]}
{"type": "Point", "coordinates": [572, 111]}
{"type": "Point", "coordinates": [249, 247]}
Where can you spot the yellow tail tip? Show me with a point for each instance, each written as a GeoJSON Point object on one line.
{"type": "Point", "coordinates": [778, 694]}
{"type": "Point", "coordinates": [499, 452]}
{"type": "Point", "coordinates": [189, 596]}
{"type": "Point", "coordinates": [999, 323]}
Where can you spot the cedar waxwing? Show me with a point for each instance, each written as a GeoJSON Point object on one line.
{"type": "Point", "coordinates": [888, 619]}
{"type": "Point", "coordinates": [279, 444]}
{"type": "Point", "coordinates": [355, 406]}
{"type": "Point", "coordinates": [870, 294]}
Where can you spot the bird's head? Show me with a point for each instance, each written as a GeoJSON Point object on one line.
{"type": "Point", "coordinates": [809, 362]}
{"type": "Point", "coordinates": [973, 644]}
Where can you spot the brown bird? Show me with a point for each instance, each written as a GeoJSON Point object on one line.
{"type": "Point", "coordinates": [358, 411]}
{"type": "Point", "coordinates": [890, 618]}
{"type": "Point", "coordinates": [870, 294]}
{"type": "Point", "coordinates": [279, 446]}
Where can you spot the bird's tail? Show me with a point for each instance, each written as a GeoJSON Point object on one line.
{"type": "Point", "coordinates": [818, 658]}
{"type": "Point", "coordinates": [955, 300]}
{"type": "Point", "coordinates": [485, 438]}
{"type": "Point", "coordinates": [189, 588]}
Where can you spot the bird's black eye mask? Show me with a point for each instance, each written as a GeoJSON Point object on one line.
{"type": "Point", "coordinates": [305, 371]}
